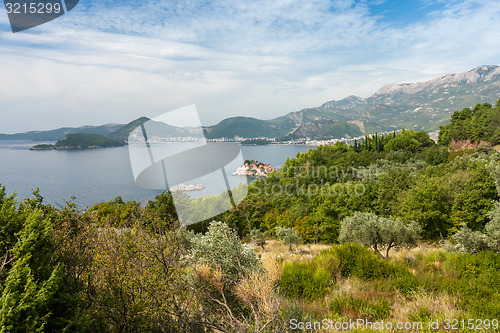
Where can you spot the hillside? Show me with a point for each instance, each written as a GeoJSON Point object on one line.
{"type": "Point", "coordinates": [421, 106]}
{"type": "Point", "coordinates": [246, 127]}
{"type": "Point", "coordinates": [81, 141]}
{"type": "Point", "coordinates": [482, 123]}
{"type": "Point", "coordinates": [60, 133]}
{"type": "Point", "coordinates": [332, 129]}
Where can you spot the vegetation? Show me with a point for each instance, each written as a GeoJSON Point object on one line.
{"type": "Point", "coordinates": [326, 129]}
{"type": "Point", "coordinates": [255, 142]}
{"type": "Point", "coordinates": [373, 231]}
{"type": "Point", "coordinates": [123, 267]}
{"type": "Point", "coordinates": [245, 127]}
{"type": "Point", "coordinates": [82, 141]}
{"type": "Point", "coordinates": [482, 123]}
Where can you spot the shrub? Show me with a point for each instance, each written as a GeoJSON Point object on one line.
{"type": "Point", "coordinates": [305, 281]}
{"type": "Point", "coordinates": [220, 248]}
{"type": "Point", "coordinates": [356, 260]}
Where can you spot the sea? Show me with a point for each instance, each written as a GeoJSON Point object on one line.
{"type": "Point", "coordinates": [98, 175]}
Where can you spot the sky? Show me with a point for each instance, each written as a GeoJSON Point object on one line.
{"type": "Point", "coordinates": [116, 60]}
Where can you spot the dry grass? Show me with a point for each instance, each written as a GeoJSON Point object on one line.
{"type": "Point", "coordinates": [440, 305]}
{"type": "Point", "coordinates": [275, 249]}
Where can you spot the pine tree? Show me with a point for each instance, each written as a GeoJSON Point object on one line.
{"type": "Point", "coordinates": [31, 296]}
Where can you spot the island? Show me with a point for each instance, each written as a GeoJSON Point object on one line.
{"type": "Point", "coordinates": [256, 142]}
{"type": "Point", "coordinates": [182, 187]}
{"type": "Point", "coordinates": [81, 141]}
{"type": "Point", "coordinates": [254, 168]}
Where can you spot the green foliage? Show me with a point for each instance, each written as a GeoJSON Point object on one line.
{"type": "Point", "coordinates": [31, 298]}
{"type": "Point", "coordinates": [482, 123]}
{"type": "Point", "coordinates": [82, 140]}
{"type": "Point", "coordinates": [472, 204]}
{"type": "Point", "coordinates": [255, 142]}
{"type": "Point", "coordinates": [361, 308]}
{"type": "Point", "coordinates": [259, 238]}
{"type": "Point", "coordinates": [475, 280]}
{"type": "Point", "coordinates": [409, 141]}
{"type": "Point", "coordinates": [11, 222]}
{"type": "Point", "coordinates": [116, 213]}
{"type": "Point", "coordinates": [428, 203]}
{"type": "Point", "coordinates": [288, 236]}
{"type": "Point", "coordinates": [305, 281]}
{"type": "Point", "coordinates": [356, 260]}
{"type": "Point", "coordinates": [374, 231]}
{"type": "Point", "coordinates": [220, 248]}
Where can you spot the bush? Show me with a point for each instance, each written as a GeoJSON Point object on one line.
{"type": "Point", "coordinates": [476, 282]}
{"type": "Point", "coordinates": [356, 260]}
{"type": "Point", "coordinates": [305, 281]}
{"type": "Point", "coordinates": [220, 248]}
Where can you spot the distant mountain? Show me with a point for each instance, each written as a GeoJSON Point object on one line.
{"type": "Point", "coordinates": [123, 132]}
{"type": "Point", "coordinates": [60, 133]}
{"type": "Point", "coordinates": [245, 127]}
{"type": "Point", "coordinates": [420, 106]}
{"type": "Point", "coordinates": [118, 132]}
{"type": "Point", "coordinates": [329, 129]}
{"type": "Point", "coordinates": [81, 141]}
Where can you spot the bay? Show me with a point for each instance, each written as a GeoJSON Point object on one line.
{"type": "Point", "coordinates": [97, 175]}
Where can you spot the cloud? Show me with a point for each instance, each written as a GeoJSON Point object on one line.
{"type": "Point", "coordinates": [117, 60]}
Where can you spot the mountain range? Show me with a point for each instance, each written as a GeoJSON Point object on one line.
{"type": "Point", "coordinates": [420, 106]}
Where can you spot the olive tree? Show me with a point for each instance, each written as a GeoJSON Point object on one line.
{"type": "Point", "coordinates": [220, 248]}
{"type": "Point", "coordinates": [288, 236]}
{"type": "Point", "coordinates": [379, 232]}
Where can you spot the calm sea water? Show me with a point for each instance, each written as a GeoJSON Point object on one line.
{"type": "Point", "coordinates": [96, 175]}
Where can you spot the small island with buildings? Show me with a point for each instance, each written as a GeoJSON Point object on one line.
{"type": "Point", "coordinates": [254, 169]}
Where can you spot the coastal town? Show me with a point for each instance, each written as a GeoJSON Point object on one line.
{"type": "Point", "coordinates": [134, 138]}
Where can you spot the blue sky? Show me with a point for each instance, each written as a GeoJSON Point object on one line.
{"type": "Point", "coordinates": [114, 61]}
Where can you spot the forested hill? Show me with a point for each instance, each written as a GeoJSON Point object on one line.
{"type": "Point", "coordinates": [81, 141]}
{"type": "Point", "coordinates": [482, 123]}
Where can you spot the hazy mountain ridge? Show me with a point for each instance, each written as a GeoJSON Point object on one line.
{"type": "Point", "coordinates": [421, 106]}
{"type": "Point", "coordinates": [61, 133]}
{"type": "Point", "coordinates": [424, 104]}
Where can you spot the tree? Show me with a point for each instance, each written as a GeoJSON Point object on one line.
{"type": "Point", "coordinates": [259, 238]}
{"type": "Point", "coordinates": [429, 203]}
{"type": "Point", "coordinates": [374, 231]}
{"type": "Point", "coordinates": [409, 141]}
{"type": "Point", "coordinates": [288, 236]}
{"type": "Point", "coordinates": [220, 248]}
{"type": "Point", "coordinates": [32, 297]}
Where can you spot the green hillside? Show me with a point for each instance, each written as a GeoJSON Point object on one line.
{"type": "Point", "coordinates": [246, 127]}
{"type": "Point", "coordinates": [325, 130]}
{"type": "Point", "coordinates": [482, 123]}
{"type": "Point", "coordinates": [82, 141]}
{"type": "Point", "coordinates": [123, 133]}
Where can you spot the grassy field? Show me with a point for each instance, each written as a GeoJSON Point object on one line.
{"type": "Point", "coordinates": [425, 289]}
